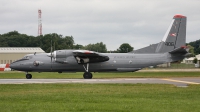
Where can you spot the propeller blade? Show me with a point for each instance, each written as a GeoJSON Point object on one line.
{"type": "Point", "coordinates": [54, 46]}
{"type": "Point", "coordinates": [51, 54]}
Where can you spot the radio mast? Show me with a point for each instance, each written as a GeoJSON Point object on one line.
{"type": "Point", "coordinates": [39, 22]}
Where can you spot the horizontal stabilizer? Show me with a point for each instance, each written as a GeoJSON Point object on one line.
{"type": "Point", "coordinates": [180, 50]}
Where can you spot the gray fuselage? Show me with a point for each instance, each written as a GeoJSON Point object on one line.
{"type": "Point", "coordinates": [125, 62]}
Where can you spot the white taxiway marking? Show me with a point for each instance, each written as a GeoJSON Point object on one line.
{"type": "Point", "coordinates": [186, 82]}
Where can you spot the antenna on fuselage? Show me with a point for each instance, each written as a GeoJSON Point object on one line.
{"type": "Point", "coordinates": [51, 54]}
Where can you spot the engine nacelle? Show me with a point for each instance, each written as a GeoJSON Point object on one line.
{"type": "Point", "coordinates": [61, 55]}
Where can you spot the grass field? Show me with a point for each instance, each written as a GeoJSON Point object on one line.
{"type": "Point", "coordinates": [49, 75]}
{"type": "Point", "coordinates": [99, 98]}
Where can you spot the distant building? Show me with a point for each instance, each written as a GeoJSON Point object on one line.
{"type": "Point", "coordinates": [190, 60]}
{"type": "Point", "coordinates": [10, 54]}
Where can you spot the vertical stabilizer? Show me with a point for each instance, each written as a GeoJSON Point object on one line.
{"type": "Point", "coordinates": [175, 36]}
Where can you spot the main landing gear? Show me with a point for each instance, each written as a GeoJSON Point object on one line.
{"type": "Point", "coordinates": [28, 76]}
{"type": "Point", "coordinates": [87, 74]}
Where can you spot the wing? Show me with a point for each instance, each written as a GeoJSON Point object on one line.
{"type": "Point", "coordinates": [85, 56]}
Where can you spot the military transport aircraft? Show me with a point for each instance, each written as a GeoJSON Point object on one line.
{"type": "Point", "coordinates": [172, 48]}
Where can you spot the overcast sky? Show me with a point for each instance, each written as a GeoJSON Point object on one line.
{"type": "Point", "coordinates": [113, 22]}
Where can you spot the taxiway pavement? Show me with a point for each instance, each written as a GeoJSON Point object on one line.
{"type": "Point", "coordinates": [182, 82]}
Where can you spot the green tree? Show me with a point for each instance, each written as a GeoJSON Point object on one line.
{"type": "Point", "coordinates": [58, 42]}
{"type": "Point", "coordinates": [46, 42]}
{"type": "Point", "coordinates": [195, 60]}
{"type": "Point", "coordinates": [3, 42]}
{"type": "Point", "coordinates": [15, 39]}
{"type": "Point", "coordinates": [196, 45]}
{"type": "Point", "coordinates": [68, 42]}
{"type": "Point", "coordinates": [11, 33]}
{"type": "Point", "coordinates": [191, 50]}
{"type": "Point", "coordinates": [78, 46]}
{"type": "Point", "coordinates": [124, 48]}
{"type": "Point", "coordinates": [98, 47]}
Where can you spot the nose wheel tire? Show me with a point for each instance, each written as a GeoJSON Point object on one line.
{"type": "Point", "coordinates": [87, 75]}
{"type": "Point", "coordinates": [28, 76]}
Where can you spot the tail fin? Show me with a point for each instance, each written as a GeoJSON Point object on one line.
{"type": "Point", "coordinates": [175, 36]}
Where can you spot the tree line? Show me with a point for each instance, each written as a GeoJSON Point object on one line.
{"type": "Point", "coordinates": [16, 39]}
{"type": "Point", "coordinates": [195, 47]}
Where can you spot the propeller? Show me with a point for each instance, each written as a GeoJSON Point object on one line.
{"type": "Point", "coordinates": [52, 49]}
{"type": "Point", "coordinates": [51, 54]}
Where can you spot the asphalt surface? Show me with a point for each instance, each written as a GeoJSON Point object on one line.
{"type": "Point", "coordinates": [181, 82]}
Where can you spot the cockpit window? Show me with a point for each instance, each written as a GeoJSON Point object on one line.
{"type": "Point", "coordinates": [27, 57]}
{"type": "Point", "coordinates": [24, 58]}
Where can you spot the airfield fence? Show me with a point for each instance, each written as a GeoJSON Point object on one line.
{"type": "Point", "coordinates": [178, 66]}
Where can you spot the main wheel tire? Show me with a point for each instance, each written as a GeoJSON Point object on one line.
{"type": "Point", "coordinates": [28, 76]}
{"type": "Point", "coordinates": [87, 75]}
